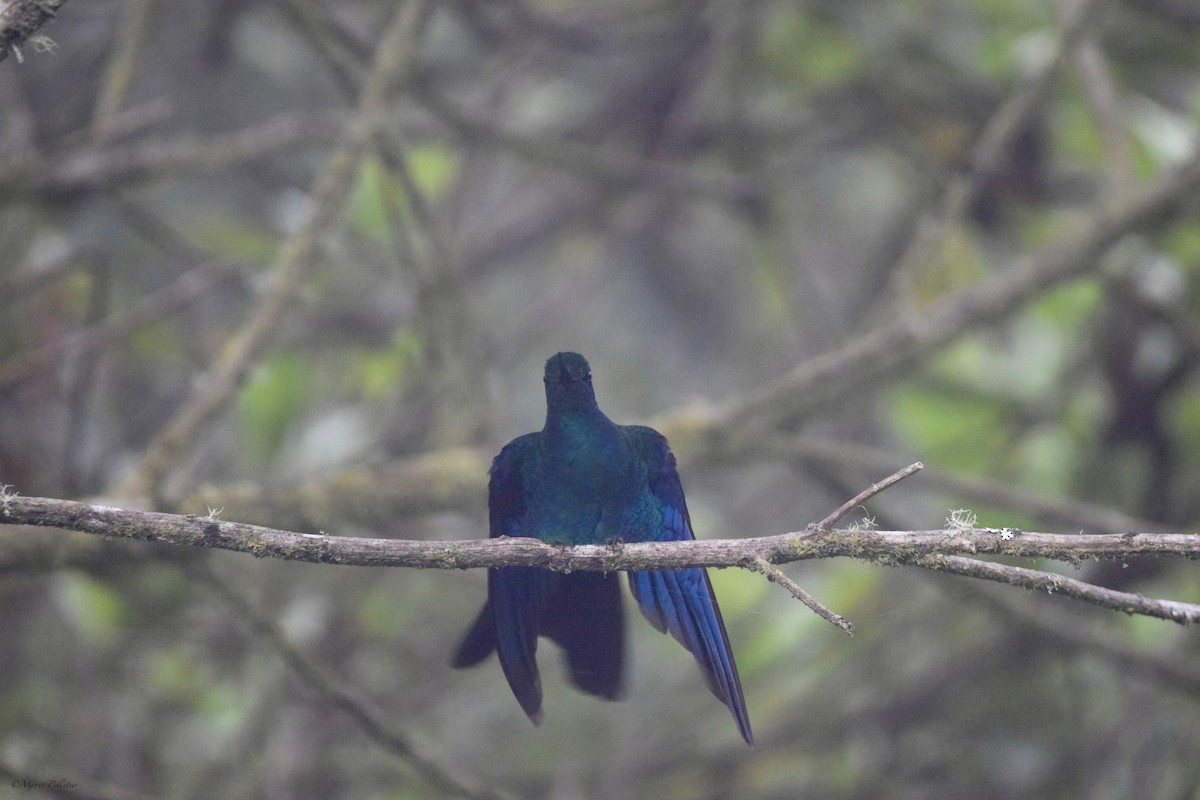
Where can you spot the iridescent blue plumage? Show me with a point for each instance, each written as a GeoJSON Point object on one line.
{"type": "Point", "coordinates": [585, 480]}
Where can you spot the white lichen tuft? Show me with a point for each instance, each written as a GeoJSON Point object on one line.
{"type": "Point", "coordinates": [961, 519]}
{"type": "Point", "coordinates": [43, 44]}
{"type": "Point", "coordinates": [7, 495]}
{"type": "Point", "coordinates": [867, 523]}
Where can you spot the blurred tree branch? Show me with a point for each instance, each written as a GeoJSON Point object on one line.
{"type": "Point", "coordinates": [132, 24]}
{"type": "Point", "coordinates": [894, 347]}
{"type": "Point", "coordinates": [378, 731]}
{"type": "Point", "coordinates": [720, 191]}
{"type": "Point", "coordinates": [607, 167]}
{"type": "Point", "coordinates": [185, 289]}
{"type": "Point", "coordinates": [109, 165]}
{"type": "Point", "coordinates": [394, 55]}
{"type": "Point", "coordinates": [993, 143]}
{"type": "Point", "coordinates": [1069, 633]}
{"type": "Point", "coordinates": [753, 422]}
{"type": "Point", "coordinates": [929, 549]}
{"type": "Point", "coordinates": [1104, 100]}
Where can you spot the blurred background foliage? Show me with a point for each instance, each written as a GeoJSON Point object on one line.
{"type": "Point", "coordinates": [699, 196]}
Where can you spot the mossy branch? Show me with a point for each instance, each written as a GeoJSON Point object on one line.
{"type": "Point", "coordinates": [941, 550]}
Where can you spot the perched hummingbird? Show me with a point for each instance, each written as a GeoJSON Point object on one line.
{"type": "Point", "coordinates": [583, 479]}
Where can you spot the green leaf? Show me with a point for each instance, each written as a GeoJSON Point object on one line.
{"type": "Point", "coordinates": [379, 195]}
{"type": "Point", "coordinates": [172, 673]}
{"type": "Point", "coordinates": [808, 54]}
{"type": "Point", "coordinates": [1183, 243]}
{"type": "Point", "coordinates": [157, 340]}
{"type": "Point", "coordinates": [433, 167]}
{"type": "Point", "coordinates": [97, 609]}
{"type": "Point", "coordinates": [1075, 128]}
{"type": "Point", "coordinates": [1185, 418]}
{"type": "Point", "coordinates": [771, 281]}
{"type": "Point", "coordinates": [270, 402]}
{"type": "Point", "coordinates": [1048, 460]}
{"type": "Point", "coordinates": [937, 425]}
{"type": "Point", "coordinates": [381, 613]}
{"type": "Point", "coordinates": [235, 240]}
{"type": "Point", "coordinates": [381, 373]}
{"type": "Point", "coordinates": [1070, 307]}
{"type": "Point", "coordinates": [374, 189]}
{"type": "Point", "coordinates": [222, 708]}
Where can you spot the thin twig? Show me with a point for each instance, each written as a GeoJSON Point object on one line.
{"type": "Point", "coordinates": [865, 495]}
{"type": "Point", "coordinates": [1183, 613]}
{"type": "Point", "coordinates": [775, 575]}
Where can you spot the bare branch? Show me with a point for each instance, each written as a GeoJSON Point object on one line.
{"type": "Point", "coordinates": [451, 479]}
{"type": "Point", "coordinates": [929, 549]}
{"type": "Point", "coordinates": [1104, 99]}
{"type": "Point", "coordinates": [617, 169]}
{"type": "Point", "coordinates": [879, 546]}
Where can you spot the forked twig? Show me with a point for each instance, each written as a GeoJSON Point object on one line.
{"type": "Point", "coordinates": [865, 495]}
{"type": "Point", "coordinates": [774, 574]}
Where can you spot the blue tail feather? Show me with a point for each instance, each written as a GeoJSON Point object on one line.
{"type": "Point", "coordinates": [681, 602]}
